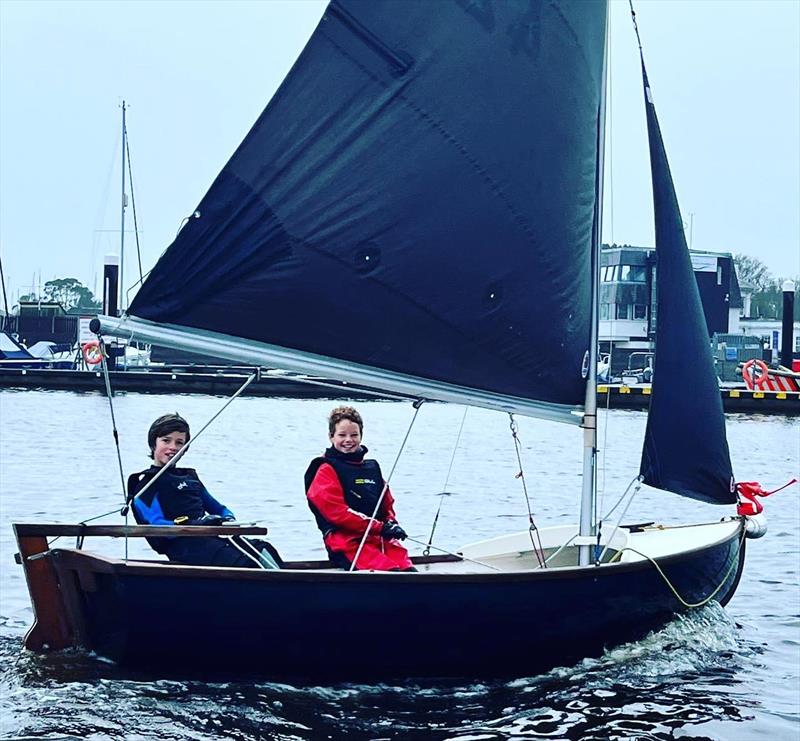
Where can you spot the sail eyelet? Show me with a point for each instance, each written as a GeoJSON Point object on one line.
{"type": "Point", "coordinates": [493, 296]}
{"type": "Point", "coordinates": [367, 258]}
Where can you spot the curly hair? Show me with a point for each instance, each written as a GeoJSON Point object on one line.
{"type": "Point", "coordinates": [340, 413]}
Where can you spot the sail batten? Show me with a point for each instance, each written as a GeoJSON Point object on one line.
{"type": "Point", "coordinates": [418, 198]}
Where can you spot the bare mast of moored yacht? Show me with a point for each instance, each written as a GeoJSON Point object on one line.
{"type": "Point", "coordinates": [123, 204]}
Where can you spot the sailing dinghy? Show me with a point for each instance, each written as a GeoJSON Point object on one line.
{"type": "Point", "coordinates": [441, 164]}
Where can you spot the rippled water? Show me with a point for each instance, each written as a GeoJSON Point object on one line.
{"type": "Point", "coordinates": [714, 674]}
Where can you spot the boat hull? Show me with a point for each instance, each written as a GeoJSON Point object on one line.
{"type": "Point", "coordinates": [325, 624]}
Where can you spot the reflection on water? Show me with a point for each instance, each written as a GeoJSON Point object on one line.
{"type": "Point", "coordinates": [683, 674]}
{"type": "Point", "coordinates": [715, 674]}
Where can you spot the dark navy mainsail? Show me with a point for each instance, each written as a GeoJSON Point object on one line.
{"type": "Point", "coordinates": [419, 196]}
{"type": "Point", "coordinates": [685, 448]}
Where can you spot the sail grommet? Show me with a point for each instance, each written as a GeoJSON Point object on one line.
{"type": "Point", "coordinates": [493, 296]}
{"type": "Point", "coordinates": [367, 258]}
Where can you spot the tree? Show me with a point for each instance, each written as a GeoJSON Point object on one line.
{"type": "Point", "coordinates": [767, 298]}
{"type": "Point", "coordinates": [71, 294]}
{"type": "Point", "coordinates": [751, 270]}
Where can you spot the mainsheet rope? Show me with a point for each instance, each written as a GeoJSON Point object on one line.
{"type": "Point", "coordinates": [459, 556]}
{"type": "Point", "coordinates": [689, 605]}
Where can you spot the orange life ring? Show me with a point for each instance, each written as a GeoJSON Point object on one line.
{"type": "Point", "coordinates": [92, 352]}
{"type": "Point", "coordinates": [749, 375]}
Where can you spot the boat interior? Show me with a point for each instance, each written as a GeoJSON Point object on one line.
{"type": "Point", "coordinates": [546, 548]}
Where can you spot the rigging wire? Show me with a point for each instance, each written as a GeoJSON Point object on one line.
{"type": "Point", "coordinates": [612, 319]}
{"type": "Point", "coordinates": [109, 395]}
{"type": "Point", "coordinates": [87, 520]}
{"type": "Point", "coordinates": [635, 26]}
{"type": "Point", "coordinates": [97, 238]}
{"type": "Point", "coordinates": [611, 197]}
{"type": "Point", "coordinates": [533, 531]}
{"type": "Point", "coordinates": [133, 203]}
{"type": "Point", "coordinates": [172, 461]}
{"type": "Point", "coordinates": [621, 499]}
{"type": "Point", "coordinates": [602, 458]}
{"type": "Point", "coordinates": [637, 484]}
{"type": "Point", "coordinates": [417, 405]}
{"type": "Point", "coordinates": [137, 283]}
{"type": "Point", "coordinates": [444, 492]}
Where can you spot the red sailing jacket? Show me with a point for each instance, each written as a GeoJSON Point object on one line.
{"type": "Point", "coordinates": [326, 496]}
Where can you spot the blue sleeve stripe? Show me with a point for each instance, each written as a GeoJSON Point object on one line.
{"type": "Point", "coordinates": [153, 514]}
{"type": "Point", "coordinates": [214, 507]}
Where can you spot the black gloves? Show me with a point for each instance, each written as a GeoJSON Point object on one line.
{"type": "Point", "coordinates": [209, 520]}
{"type": "Point", "coordinates": [391, 530]}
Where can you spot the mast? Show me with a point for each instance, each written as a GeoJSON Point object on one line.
{"type": "Point", "coordinates": [122, 221]}
{"type": "Point", "coordinates": [586, 527]}
{"type": "Point", "coordinates": [122, 234]}
{"type": "Point", "coordinates": [7, 316]}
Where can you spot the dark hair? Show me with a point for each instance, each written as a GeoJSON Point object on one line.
{"type": "Point", "coordinates": [163, 426]}
{"type": "Point", "coordinates": [340, 413]}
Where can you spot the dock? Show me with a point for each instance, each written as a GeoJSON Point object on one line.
{"type": "Point", "coordinates": [224, 381]}
{"type": "Point", "coordinates": [734, 400]}
{"type": "Point", "coordinates": [210, 382]}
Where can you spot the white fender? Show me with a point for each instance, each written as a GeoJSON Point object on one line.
{"type": "Point", "coordinates": [755, 525]}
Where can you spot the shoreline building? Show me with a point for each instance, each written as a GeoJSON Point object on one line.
{"type": "Point", "coordinates": [628, 311]}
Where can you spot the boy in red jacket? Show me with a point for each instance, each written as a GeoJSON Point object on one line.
{"type": "Point", "coordinates": [343, 489]}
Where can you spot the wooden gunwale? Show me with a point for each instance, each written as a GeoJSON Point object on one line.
{"type": "Point", "coordinates": [132, 531]}
{"type": "Point", "coordinates": [315, 571]}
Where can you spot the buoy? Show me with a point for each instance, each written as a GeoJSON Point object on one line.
{"type": "Point", "coordinates": [92, 352]}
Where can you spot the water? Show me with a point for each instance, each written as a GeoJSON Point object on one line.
{"type": "Point", "coordinates": [714, 674]}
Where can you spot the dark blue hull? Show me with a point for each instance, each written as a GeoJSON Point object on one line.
{"type": "Point", "coordinates": [335, 625]}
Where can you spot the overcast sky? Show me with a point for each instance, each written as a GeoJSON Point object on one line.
{"type": "Point", "coordinates": [725, 76]}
